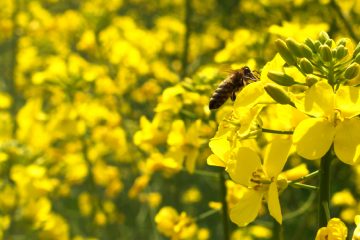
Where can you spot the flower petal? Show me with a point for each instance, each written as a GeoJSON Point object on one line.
{"type": "Point", "coordinates": [274, 203]}
{"type": "Point", "coordinates": [220, 146]}
{"type": "Point", "coordinates": [348, 101]}
{"type": "Point", "coordinates": [242, 164]}
{"type": "Point", "coordinates": [318, 101]}
{"type": "Point", "coordinates": [214, 160]}
{"type": "Point", "coordinates": [249, 95]}
{"type": "Point", "coordinates": [347, 141]}
{"type": "Point", "coordinates": [313, 138]}
{"type": "Point", "coordinates": [276, 154]}
{"type": "Point", "coordinates": [247, 209]}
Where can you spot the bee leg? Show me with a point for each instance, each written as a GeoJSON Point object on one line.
{"type": "Point", "coordinates": [233, 96]}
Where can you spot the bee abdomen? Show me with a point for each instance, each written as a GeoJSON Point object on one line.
{"type": "Point", "coordinates": [221, 94]}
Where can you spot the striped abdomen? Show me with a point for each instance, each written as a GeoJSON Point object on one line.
{"type": "Point", "coordinates": [222, 93]}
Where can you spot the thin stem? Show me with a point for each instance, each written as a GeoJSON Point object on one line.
{"type": "Point", "coordinates": [184, 60]}
{"type": "Point", "coordinates": [206, 214]}
{"type": "Point", "coordinates": [304, 207]}
{"type": "Point", "coordinates": [276, 131]}
{"type": "Point", "coordinates": [226, 224]}
{"type": "Point", "coordinates": [347, 24]}
{"type": "Point", "coordinates": [305, 186]}
{"type": "Point", "coordinates": [324, 189]}
{"type": "Point", "coordinates": [310, 175]}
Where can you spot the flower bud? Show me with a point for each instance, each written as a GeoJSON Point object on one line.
{"type": "Point", "coordinates": [306, 51]}
{"type": "Point", "coordinates": [311, 81]}
{"type": "Point", "coordinates": [285, 52]}
{"type": "Point", "coordinates": [317, 45]}
{"type": "Point", "coordinates": [306, 66]}
{"type": "Point", "coordinates": [352, 71]}
{"type": "Point", "coordinates": [341, 52]}
{"type": "Point", "coordinates": [329, 42]}
{"type": "Point", "coordinates": [281, 78]}
{"type": "Point", "coordinates": [294, 47]}
{"type": "Point", "coordinates": [323, 37]}
{"type": "Point", "coordinates": [342, 42]}
{"type": "Point", "coordinates": [278, 94]}
{"type": "Point", "coordinates": [325, 53]}
{"type": "Point", "coordinates": [310, 43]}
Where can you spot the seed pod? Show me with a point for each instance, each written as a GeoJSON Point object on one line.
{"type": "Point", "coordinates": [310, 43]}
{"type": "Point", "coordinates": [294, 47]}
{"type": "Point", "coordinates": [281, 78]}
{"type": "Point", "coordinates": [306, 51]}
{"type": "Point", "coordinates": [325, 53]}
{"type": "Point", "coordinates": [285, 52]}
{"type": "Point", "coordinates": [306, 66]}
{"type": "Point", "coordinates": [352, 71]}
{"type": "Point", "coordinates": [278, 94]}
{"type": "Point", "coordinates": [323, 37]}
{"type": "Point", "coordinates": [341, 52]}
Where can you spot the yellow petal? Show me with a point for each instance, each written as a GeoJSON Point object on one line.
{"type": "Point", "coordinates": [347, 100]}
{"type": "Point", "coordinates": [247, 209]}
{"type": "Point", "coordinates": [220, 146]}
{"type": "Point", "coordinates": [313, 138]}
{"type": "Point", "coordinates": [242, 164]}
{"type": "Point", "coordinates": [347, 141]}
{"type": "Point", "coordinates": [274, 203]}
{"type": "Point", "coordinates": [214, 160]}
{"type": "Point", "coordinates": [276, 154]}
{"type": "Point", "coordinates": [249, 95]}
{"type": "Point", "coordinates": [318, 101]}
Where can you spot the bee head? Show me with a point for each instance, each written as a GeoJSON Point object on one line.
{"type": "Point", "coordinates": [248, 74]}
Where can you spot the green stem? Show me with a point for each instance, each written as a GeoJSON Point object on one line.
{"type": "Point", "coordinates": [265, 130]}
{"type": "Point", "coordinates": [324, 189]}
{"type": "Point", "coordinates": [184, 60]}
{"type": "Point", "coordinates": [310, 175]}
{"type": "Point", "coordinates": [206, 214]}
{"type": "Point", "coordinates": [301, 185]}
{"type": "Point", "coordinates": [347, 24]}
{"type": "Point", "coordinates": [226, 224]}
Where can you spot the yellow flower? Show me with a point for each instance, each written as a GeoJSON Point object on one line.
{"type": "Point", "coordinates": [333, 122]}
{"type": "Point", "coordinates": [262, 181]}
{"type": "Point", "coordinates": [174, 225]}
{"type": "Point", "coordinates": [335, 230]}
{"type": "Point", "coordinates": [356, 235]}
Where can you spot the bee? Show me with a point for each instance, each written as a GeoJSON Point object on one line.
{"type": "Point", "coordinates": [238, 79]}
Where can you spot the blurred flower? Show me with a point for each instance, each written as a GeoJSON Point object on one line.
{"type": "Point", "coordinates": [335, 230]}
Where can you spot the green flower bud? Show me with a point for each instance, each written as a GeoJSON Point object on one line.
{"type": "Point", "coordinates": [294, 47]}
{"type": "Point", "coordinates": [306, 51]}
{"type": "Point", "coordinates": [329, 42]}
{"type": "Point", "coordinates": [281, 78]}
{"type": "Point", "coordinates": [325, 53]}
{"type": "Point", "coordinates": [342, 42]}
{"type": "Point", "coordinates": [311, 81]}
{"type": "Point", "coordinates": [285, 52]}
{"type": "Point", "coordinates": [317, 45]}
{"type": "Point", "coordinates": [357, 49]}
{"type": "Point", "coordinates": [310, 43]}
{"type": "Point", "coordinates": [333, 52]}
{"type": "Point", "coordinates": [278, 94]}
{"type": "Point", "coordinates": [341, 52]}
{"type": "Point", "coordinates": [352, 71]}
{"type": "Point", "coordinates": [306, 66]}
{"type": "Point", "coordinates": [357, 59]}
{"type": "Point", "coordinates": [323, 37]}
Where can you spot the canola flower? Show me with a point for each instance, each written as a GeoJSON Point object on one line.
{"type": "Point", "coordinates": [317, 80]}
